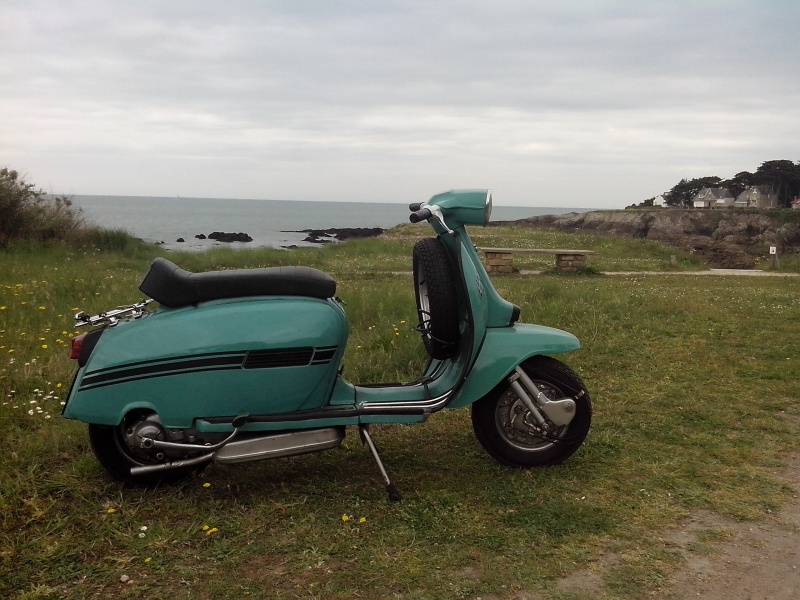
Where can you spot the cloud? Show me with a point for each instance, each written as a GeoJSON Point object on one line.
{"type": "Point", "coordinates": [581, 103]}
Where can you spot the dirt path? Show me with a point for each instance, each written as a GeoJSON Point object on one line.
{"type": "Point", "coordinates": [739, 272]}
{"type": "Point", "coordinates": [756, 561]}
{"type": "Point", "coordinates": [761, 561]}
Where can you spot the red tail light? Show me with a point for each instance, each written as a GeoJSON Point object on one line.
{"type": "Point", "coordinates": [77, 346]}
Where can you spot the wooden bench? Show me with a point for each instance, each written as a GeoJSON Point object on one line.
{"type": "Point", "coordinates": [501, 260]}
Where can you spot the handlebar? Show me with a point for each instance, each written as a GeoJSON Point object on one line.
{"type": "Point", "coordinates": [422, 214]}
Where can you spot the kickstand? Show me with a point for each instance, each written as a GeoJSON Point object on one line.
{"type": "Point", "coordinates": [394, 494]}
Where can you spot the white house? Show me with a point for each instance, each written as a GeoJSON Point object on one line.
{"type": "Point", "coordinates": [713, 198]}
{"type": "Point", "coordinates": [660, 201]}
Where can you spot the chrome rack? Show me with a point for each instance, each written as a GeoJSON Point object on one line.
{"type": "Point", "coordinates": [112, 317]}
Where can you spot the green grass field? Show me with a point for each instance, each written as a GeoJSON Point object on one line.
{"type": "Point", "coordinates": [694, 381]}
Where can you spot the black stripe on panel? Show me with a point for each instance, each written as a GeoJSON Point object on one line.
{"type": "Point", "coordinates": [159, 369]}
{"type": "Point", "coordinates": [92, 386]}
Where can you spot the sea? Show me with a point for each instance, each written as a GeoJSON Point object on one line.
{"type": "Point", "coordinates": [271, 223]}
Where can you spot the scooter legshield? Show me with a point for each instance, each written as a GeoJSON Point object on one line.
{"type": "Point", "coordinates": [258, 356]}
{"type": "Point", "coordinates": [506, 347]}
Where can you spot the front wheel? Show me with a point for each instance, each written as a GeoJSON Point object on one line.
{"type": "Point", "coordinates": [509, 433]}
{"type": "Point", "coordinates": [117, 449]}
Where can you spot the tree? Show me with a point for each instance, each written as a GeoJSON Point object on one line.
{"type": "Point", "coordinates": [783, 178]}
{"type": "Point", "coordinates": [739, 182]}
{"type": "Point", "coordinates": [682, 193]}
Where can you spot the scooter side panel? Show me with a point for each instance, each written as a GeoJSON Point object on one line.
{"type": "Point", "coordinates": [255, 355]}
{"type": "Point", "coordinates": [506, 347]}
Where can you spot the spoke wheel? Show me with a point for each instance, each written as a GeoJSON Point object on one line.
{"type": "Point", "coordinates": [437, 306]}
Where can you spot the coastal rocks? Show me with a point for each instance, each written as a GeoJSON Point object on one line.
{"type": "Point", "coordinates": [221, 236]}
{"type": "Point", "coordinates": [726, 238]}
{"type": "Point", "coordinates": [339, 234]}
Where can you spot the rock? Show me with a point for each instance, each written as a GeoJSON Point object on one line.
{"type": "Point", "coordinates": [326, 236]}
{"type": "Point", "coordinates": [180, 240]}
{"type": "Point", "coordinates": [724, 238]}
{"type": "Point", "coordinates": [315, 239]}
{"type": "Point", "coordinates": [221, 236]}
{"type": "Point", "coordinates": [200, 236]}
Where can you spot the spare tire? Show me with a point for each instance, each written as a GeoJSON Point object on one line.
{"type": "Point", "coordinates": [437, 305]}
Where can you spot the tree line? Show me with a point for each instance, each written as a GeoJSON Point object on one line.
{"type": "Point", "coordinates": [782, 177]}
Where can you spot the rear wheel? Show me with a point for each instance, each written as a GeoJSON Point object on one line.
{"type": "Point", "coordinates": [509, 433]}
{"type": "Point", "coordinates": [117, 448]}
{"type": "Point", "coordinates": [437, 305]}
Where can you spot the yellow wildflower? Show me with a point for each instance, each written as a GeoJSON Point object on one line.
{"type": "Point", "coordinates": [111, 511]}
{"type": "Point", "coordinates": [44, 346]}
{"type": "Point", "coordinates": [212, 531]}
{"type": "Point", "coordinates": [362, 520]}
{"type": "Point", "coordinates": [147, 560]}
{"type": "Point", "coordinates": [345, 518]}
{"type": "Point", "coordinates": [206, 485]}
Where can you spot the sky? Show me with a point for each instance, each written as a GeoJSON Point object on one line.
{"type": "Point", "coordinates": [579, 103]}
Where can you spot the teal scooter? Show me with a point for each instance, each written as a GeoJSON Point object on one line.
{"type": "Point", "coordinates": [244, 365]}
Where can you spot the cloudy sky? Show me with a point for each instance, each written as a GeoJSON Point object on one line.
{"type": "Point", "coordinates": [573, 103]}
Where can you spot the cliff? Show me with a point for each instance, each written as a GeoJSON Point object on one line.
{"type": "Point", "coordinates": [724, 238]}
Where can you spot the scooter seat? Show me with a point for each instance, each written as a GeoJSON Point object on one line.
{"type": "Point", "coordinates": [168, 284]}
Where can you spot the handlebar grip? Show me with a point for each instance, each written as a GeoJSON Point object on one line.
{"type": "Point", "coordinates": [415, 206]}
{"type": "Point", "coordinates": [420, 215]}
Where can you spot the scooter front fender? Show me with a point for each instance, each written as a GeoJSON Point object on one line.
{"type": "Point", "coordinates": [503, 349]}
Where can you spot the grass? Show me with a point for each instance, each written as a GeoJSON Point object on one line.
{"type": "Point", "coordinates": [694, 384]}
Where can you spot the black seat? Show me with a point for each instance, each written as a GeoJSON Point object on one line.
{"type": "Point", "coordinates": [168, 284]}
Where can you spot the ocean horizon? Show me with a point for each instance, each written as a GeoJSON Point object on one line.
{"type": "Point", "coordinates": [271, 223]}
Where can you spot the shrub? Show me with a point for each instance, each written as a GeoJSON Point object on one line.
{"type": "Point", "coordinates": [27, 213]}
{"type": "Point", "coordinates": [30, 215]}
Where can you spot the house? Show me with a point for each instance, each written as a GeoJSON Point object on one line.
{"type": "Point", "coordinates": [660, 201]}
{"type": "Point", "coordinates": [713, 198]}
{"type": "Point", "coordinates": [796, 203]}
{"type": "Point", "coordinates": [757, 196]}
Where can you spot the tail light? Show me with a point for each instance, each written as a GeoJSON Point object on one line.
{"type": "Point", "coordinates": [83, 345]}
{"type": "Point", "coordinates": [77, 346]}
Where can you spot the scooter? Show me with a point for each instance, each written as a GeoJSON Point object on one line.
{"type": "Point", "coordinates": [244, 365]}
